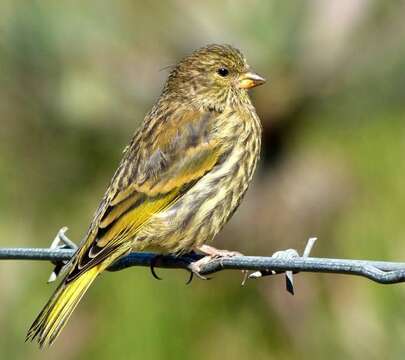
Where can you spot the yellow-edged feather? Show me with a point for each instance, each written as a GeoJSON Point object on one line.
{"type": "Point", "coordinates": [53, 317]}
{"type": "Point", "coordinates": [59, 308]}
{"type": "Point", "coordinates": [127, 225]}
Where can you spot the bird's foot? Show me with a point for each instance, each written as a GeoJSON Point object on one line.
{"type": "Point", "coordinates": [61, 241]}
{"type": "Point", "coordinates": [215, 253]}
{"type": "Point", "coordinates": [286, 254]}
{"type": "Point", "coordinates": [195, 268]}
{"type": "Point", "coordinates": [211, 254]}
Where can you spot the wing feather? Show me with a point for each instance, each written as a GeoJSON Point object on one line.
{"type": "Point", "coordinates": [157, 169]}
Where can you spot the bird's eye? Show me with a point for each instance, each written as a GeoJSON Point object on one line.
{"type": "Point", "coordinates": [223, 72]}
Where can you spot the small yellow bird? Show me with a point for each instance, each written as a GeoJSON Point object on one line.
{"type": "Point", "coordinates": [181, 178]}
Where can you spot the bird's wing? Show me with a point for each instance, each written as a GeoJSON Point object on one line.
{"type": "Point", "coordinates": [165, 158]}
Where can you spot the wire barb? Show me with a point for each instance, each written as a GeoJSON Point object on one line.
{"type": "Point", "coordinates": [61, 241]}
{"type": "Point", "coordinates": [286, 254]}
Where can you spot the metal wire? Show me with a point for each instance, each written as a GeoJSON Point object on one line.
{"type": "Point", "coordinates": [379, 271]}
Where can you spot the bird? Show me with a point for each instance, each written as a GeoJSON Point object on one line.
{"type": "Point", "coordinates": [182, 176]}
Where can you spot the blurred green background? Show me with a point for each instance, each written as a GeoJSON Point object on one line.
{"type": "Point", "coordinates": [76, 79]}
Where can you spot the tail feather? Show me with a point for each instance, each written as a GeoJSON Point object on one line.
{"type": "Point", "coordinates": [57, 311]}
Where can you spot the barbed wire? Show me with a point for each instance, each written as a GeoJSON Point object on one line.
{"type": "Point", "coordinates": [288, 262]}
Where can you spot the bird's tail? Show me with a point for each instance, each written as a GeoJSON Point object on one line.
{"type": "Point", "coordinates": [60, 306]}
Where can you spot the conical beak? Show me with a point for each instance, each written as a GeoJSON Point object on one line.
{"type": "Point", "coordinates": [250, 80]}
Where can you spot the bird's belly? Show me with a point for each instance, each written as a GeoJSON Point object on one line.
{"type": "Point", "coordinates": [203, 210]}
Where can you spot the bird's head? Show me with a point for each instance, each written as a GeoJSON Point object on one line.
{"type": "Point", "coordinates": [212, 77]}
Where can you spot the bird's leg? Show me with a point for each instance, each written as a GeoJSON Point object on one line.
{"type": "Point", "coordinates": [286, 254]}
{"type": "Point", "coordinates": [61, 241]}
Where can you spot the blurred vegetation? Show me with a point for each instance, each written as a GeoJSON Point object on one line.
{"type": "Point", "coordinates": [77, 78]}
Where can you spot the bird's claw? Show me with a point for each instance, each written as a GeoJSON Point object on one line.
{"type": "Point", "coordinates": [190, 279]}
{"type": "Point", "coordinates": [286, 254]}
{"type": "Point", "coordinates": [61, 241]}
{"type": "Point", "coordinates": [153, 264]}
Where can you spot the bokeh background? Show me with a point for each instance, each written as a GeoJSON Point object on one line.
{"type": "Point", "coordinates": [76, 79]}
